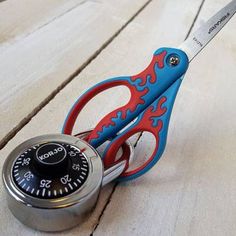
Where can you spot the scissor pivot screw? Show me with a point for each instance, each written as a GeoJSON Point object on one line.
{"type": "Point", "coordinates": [174, 60]}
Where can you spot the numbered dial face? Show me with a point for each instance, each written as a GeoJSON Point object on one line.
{"type": "Point", "coordinates": [50, 170]}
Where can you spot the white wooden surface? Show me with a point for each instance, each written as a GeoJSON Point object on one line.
{"type": "Point", "coordinates": [192, 189]}
{"type": "Point", "coordinates": [38, 61]}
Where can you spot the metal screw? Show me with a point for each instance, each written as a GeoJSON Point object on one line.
{"type": "Point", "coordinates": [174, 60]}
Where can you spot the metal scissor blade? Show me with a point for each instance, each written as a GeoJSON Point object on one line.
{"type": "Point", "coordinates": [202, 36]}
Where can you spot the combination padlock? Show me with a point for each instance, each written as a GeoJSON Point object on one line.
{"type": "Point", "coordinates": [53, 181]}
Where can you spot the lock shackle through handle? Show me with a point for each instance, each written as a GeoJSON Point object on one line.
{"type": "Point", "coordinates": [117, 169]}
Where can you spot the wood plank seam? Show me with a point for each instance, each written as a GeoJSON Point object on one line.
{"type": "Point", "coordinates": [104, 208]}
{"type": "Point", "coordinates": [111, 194]}
{"type": "Point", "coordinates": [35, 111]}
{"type": "Point", "coordinates": [55, 18]}
{"type": "Point", "coordinates": [195, 19]}
{"type": "Point", "coordinates": [141, 133]}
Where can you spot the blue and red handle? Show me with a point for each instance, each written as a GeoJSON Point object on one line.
{"type": "Point", "coordinates": [146, 88]}
{"type": "Point", "coordinates": [154, 119]}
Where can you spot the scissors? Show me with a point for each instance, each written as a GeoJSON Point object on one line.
{"type": "Point", "coordinates": [153, 92]}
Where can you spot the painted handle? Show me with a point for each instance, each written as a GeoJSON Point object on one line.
{"type": "Point", "coordinates": [144, 87]}
{"type": "Point", "coordinates": [154, 119]}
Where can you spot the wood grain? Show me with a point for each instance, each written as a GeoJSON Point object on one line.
{"type": "Point", "coordinates": [19, 19]}
{"type": "Point", "coordinates": [34, 66]}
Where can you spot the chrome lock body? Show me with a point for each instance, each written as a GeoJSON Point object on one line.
{"type": "Point", "coordinates": [53, 181]}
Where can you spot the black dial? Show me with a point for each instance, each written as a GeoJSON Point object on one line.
{"type": "Point", "coordinates": [50, 170]}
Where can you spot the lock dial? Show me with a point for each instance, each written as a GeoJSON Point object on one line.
{"type": "Point", "coordinates": [50, 170]}
{"type": "Point", "coordinates": [53, 181]}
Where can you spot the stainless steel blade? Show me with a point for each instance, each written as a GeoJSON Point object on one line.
{"type": "Point", "coordinates": [202, 36]}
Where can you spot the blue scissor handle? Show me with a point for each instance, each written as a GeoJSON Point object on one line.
{"type": "Point", "coordinates": [154, 119]}
{"type": "Point", "coordinates": [144, 87]}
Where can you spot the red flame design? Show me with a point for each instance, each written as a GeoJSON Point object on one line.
{"type": "Point", "coordinates": [150, 70]}
{"type": "Point", "coordinates": [136, 95]}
